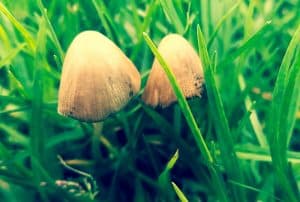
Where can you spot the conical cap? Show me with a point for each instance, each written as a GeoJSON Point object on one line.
{"type": "Point", "coordinates": [97, 78]}
{"type": "Point", "coordinates": [186, 66]}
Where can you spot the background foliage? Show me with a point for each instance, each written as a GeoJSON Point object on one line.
{"type": "Point", "coordinates": [248, 116]}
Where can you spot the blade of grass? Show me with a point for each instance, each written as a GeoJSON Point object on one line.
{"type": "Point", "coordinates": [179, 193]}
{"type": "Point", "coordinates": [37, 138]}
{"type": "Point", "coordinates": [205, 19]}
{"type": "Point", "coordinates": [294, 102]}
{"type": "Point", "coordinates": [4, 152]}
{"type": "Point", "coordinates": [172, 14]}
{"type": "Point", "coordinates": [278, 125]}
{"type": "Point", "coordinates": [4, 38]}
{"type": "Point", "coordinates": [19, 27]}
{"type": "Point", "coordinates": [16, 179]}
{"type": "Point", "coordinates": [250, 151]}
{"type": "Point", "coordinates": [247, 45]}
{"type": "Point", "coordinates": [190, 119]}
{"type": "Point", "coordinates": [252, 189]}
{"type": "Point", "coordinates": [164, 178]}
{"type": "Point", "coordinates": [67, 136]}
{"type": "Point", "coordinates": [231, 163]}
{"type": "Point", "coordinates": [146, 23]}
{"type": "Point", "coordinates": [14, 136]}
{"type": "Point", "coordinates": [11, 55]}
{"type": "Point", "coordinates": [100, 11]}
{"type": "Point", "coordinates": [293, 157]}
{"type": "Point", "coordinates": [107, 20]}
{"type": "Point", "coordinates": [267, 191]}
{"type": "Point", "coordinates": [16, 83]}
{"type": "Point", "coordinates": [256, 125]}
{"type": "Point", "coordinates": [52, 32]}
{"type": "Point", "coordinates": [221, 22]}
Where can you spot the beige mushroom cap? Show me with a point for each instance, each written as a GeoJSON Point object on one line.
{"type": "Point", "coordinates": [97, 78]}
{"type": "Point", "coordinates": [186, 66]}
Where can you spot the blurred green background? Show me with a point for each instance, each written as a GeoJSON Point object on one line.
{"type": "Point", "coordinates": [249, 116]}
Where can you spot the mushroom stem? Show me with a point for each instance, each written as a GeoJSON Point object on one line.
{"type": "Point", "coordinates": [97, 133]}
{"type": "Point", "coordinates": [98, 139]}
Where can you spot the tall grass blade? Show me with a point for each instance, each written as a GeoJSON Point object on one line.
{"type": "Point", "coordinates": [282, 117]}
{"type": "Point", "coordinates": [230, 161]}
{"type": "Point", "coordinates": [37, 138]}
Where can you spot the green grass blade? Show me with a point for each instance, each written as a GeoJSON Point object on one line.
{"type": "Point", "coordinates": [172, 161]}
{"type": "Point", "coordinates": [107, 20]}
{"type": "Point", "coordinates": [63, 137]}
{"type": "Point", "coordinates": [146, 23]}
{"type": "Point", "coordinates": [17, 83]}
{"type": "Point", "coordinates": [253, 189]}
{"type": "Point", "coordinates": [52, 32]}
{"type": "Point", "coordinates": [16, 179]}
{"type": "Point", "coordinates": [221, 22]}
{"type": "Point", "coordinates": [179, 193]}
{"type": "Point", "coordinates": [282, 116]}
{"type": "Point", "coordinates": [4, 38]}
{"type": "Point", "coordinates": [11, 55]}
{"type": "Point", "coordinates": [100, 11]}
{"type": "Point", "coordinates": [164, 177]}
{"type": "Point", "coordinates": [205, 14]}
{"type": "Point", "coordinates": [256, 125]}
{"type": "Point", "coordinates": [14, 136]}
{"type": "Point", "coordinates": [172, 14]}
{"type": "Point", "coordinates": [231, 164]}
{"type": "Point", "coordinates": [257, 153]}
{"type": "Point", "coordinates": [247, 45]}
{"type": "Point", "coordinates": [29, 39]}
{"type": "Point", "coordinates": [294, 101]}
{"type": "Point", "coordinates": [37, 139]}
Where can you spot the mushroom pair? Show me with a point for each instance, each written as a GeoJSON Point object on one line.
{"type": "Point", "coordinates": [98, 79]}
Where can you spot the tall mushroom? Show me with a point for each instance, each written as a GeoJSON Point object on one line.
{"type": "Point", "coordinates": [97, 78]}
{"type": "Point", "coordinates": [186, 66]}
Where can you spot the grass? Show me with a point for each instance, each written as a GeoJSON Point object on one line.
{"type": "Point", "coordinates": [239, 142]}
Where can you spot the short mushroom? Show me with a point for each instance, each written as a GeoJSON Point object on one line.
{"type": "Point", "coordinates": [97, 78]}
{"type": "Point", "coordinates": [186, 66]}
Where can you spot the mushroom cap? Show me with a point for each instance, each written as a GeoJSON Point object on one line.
{"type": "Point", "coordinates": [97, 78]}
{"type": "Point", "coordinates": [186, 66]}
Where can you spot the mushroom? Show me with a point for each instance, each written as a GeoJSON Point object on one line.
{"type": "Point", "coordinates": [97, 78]}
{"type": "Point", "coordinates": [186, 66]}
